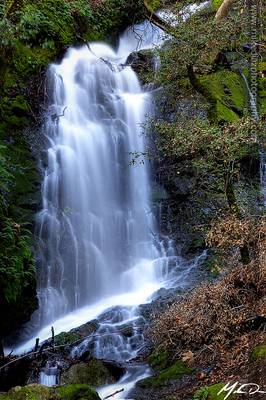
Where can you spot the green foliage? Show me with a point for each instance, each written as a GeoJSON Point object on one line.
{"type": "Point", "coordinates": [199, 41]}
{"type": "Point", "coordinates": [209, 148]}
{"type": "Point", "coordinates": [16, 263]}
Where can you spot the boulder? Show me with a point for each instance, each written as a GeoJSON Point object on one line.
{"type": "Point", "coordinates": [142, 62]}
{"type": "Point", "coordinates": [95, 373]}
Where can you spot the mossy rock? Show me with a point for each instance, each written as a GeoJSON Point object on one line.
{"type": "Point", "coordinates": [211, 393]}
{"type": "Point", "coordinates": [227, 94]}
{"type": "Point", "coordinates": [40, 392]}
{"type": "Point", "coordinates": [93, 373]}
{"type": "Point", "coordinates": [66, 338]}
{"type": "Point", "coordinates": [76, 392]}
{"type": "Point", "coordinates": [176, 371]}
{"type": "Point", "coordinates": [259, 352]}
{"type": "Point", "coordinates": [30, 392]}
{"type": "Point", "coordinates": [159, 359]}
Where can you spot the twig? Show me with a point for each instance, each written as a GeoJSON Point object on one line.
{"type": "Point", "coordinates": [113, 394]}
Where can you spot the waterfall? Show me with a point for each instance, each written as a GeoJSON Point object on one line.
{"type": "Point", "coordinates": [96, 229]}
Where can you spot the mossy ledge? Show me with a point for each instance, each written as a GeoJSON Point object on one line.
{"type": "Point", "coordinates": [226, 93]}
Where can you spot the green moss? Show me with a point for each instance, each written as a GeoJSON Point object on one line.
{"type": "Point", "coordinates": [211, 393]}
{"type": "Point", "coordinates": [65, 338]}
{"type": "Point", "coordinates": [32, 392]}
{"type": "Point", "coordinates": [227, 94]}
{"type": "Point", "coordinates": [39, 392]}
{"type": "Point", "coordinates": [259, 352]}
{"type": "Point", "coordinates": [76, 392]}
{"type": "Point", "coordinates": [176, 371]}
{"type": "Point", "coordinates": [159, 359]}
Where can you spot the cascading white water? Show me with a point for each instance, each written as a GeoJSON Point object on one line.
{"type": "Point", "coordinates": [96, 229]}
{"type": "Point", "coordinates": [98, 245]}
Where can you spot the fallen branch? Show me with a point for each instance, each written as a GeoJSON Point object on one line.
{"type": "Point", "coordinates": [113, 394]}
{"type": "Point", "coordinates": [47, 346]}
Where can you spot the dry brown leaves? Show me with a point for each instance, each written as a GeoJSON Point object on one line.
{"type": "Point", "coordinates": [228, 232]}
{"type": "Point", "coordinates": [218, 323]}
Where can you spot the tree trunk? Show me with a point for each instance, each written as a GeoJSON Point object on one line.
{"type": "Point", "coordinates": [223, 9]}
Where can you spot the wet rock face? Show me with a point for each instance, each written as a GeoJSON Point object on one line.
{"type": "Point", "coordinates": [95, 373]}
{"type": "Point", "coordinates": [142, 62]}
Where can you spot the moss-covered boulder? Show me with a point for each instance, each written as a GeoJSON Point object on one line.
{"type": "Point", "coordinates": [259, 352]}
{"type": "Point", "coordinates": [76, 392]}
{"type": "Point", "coordinates": [94, 373]}
{"type": "Point", "coordinates": [226, 93]}
{"type": "Point", "coordinates": [40, 392]}
{"type": "Point", "coordinates": [176, 371]}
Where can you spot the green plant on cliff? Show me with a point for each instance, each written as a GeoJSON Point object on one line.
{"type": "Point", "coordinates": [16, 261]}
{"type": "Point", "coordinates": [212, 56]}
{"type": "Point", "coordinates": [200, 40]}
{"type": "Point", "coordinates": [207, 148]}
{"type": "Point", "coordinates": [215, 151]}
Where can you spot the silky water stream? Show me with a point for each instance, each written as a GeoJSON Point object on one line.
{"type": "Point", "coordinates": [99, 252]}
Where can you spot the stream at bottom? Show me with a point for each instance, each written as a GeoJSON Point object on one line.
{"type": "Point", "coordinates": [119, 336]}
